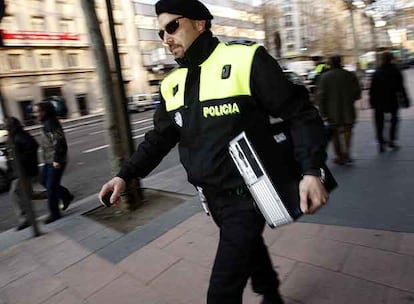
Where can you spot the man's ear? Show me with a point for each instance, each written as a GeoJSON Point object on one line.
{"type": "Point", "coordinates": [200, 25]}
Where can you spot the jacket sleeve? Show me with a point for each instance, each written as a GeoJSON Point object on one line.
{"type": "Point", "coordinates": [61, 147]}
{"type": "Point", "coordinates": [282, 98]}
{"type": "Point", "coordinates": [157, 143]}
{"type": "Point", "coordinates": [321, 96]}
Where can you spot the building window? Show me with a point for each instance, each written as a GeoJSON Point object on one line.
{"type": "Point", "coordinates": [120, 31]}
{"type": "Point", "coordinates": [8, 23]}
{"type": "Point", "coordinates": [45, 61]}
{"type": "Point", "coordinates": [123, 57]}
{"type": "Point", "coordinates": [38, 24]}
{"type": "Point", "coordinates": [290, 47]}
{"type": "Point", "coordinates": [66, 25]}
{"type": "Point", "coordinates": [73, 60]}
{"type": "Point", "coordinates": [288, 21]}
{"type": "Point", "coordinates": [14, 61]}
{"type": "Point", "coordinates": [290, 35]}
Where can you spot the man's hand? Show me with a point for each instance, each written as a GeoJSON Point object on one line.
{"type": "Point", "coordinates": [115, 185]}
{"type": "Point", "coordinates": [56, 165]}
{"type": "Point", "coordinates": [312, 193]}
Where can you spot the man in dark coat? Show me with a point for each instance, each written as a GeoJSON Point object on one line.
{"type": "Point", "coordinates": [26, 146]}
{"type": "Point", "coordinates": [387, 87]}
{"type": "Point", "coordinates": [338, 90]}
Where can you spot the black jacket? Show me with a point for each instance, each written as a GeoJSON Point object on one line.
{"type": "Point", "coordinates": [27, 147]}
{"type": "Point", "coordinates": [386, 83]}
{"type": "Point", "coordinates": [203, 143]}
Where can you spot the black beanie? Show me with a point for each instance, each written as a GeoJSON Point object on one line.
{"type": "Point", "coordinates": [192, 9]}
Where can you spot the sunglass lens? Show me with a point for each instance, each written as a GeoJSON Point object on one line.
{"type": "Point", "coordinates": [171, 27]}
{"type": "Point", "coordinates": [161, 34]}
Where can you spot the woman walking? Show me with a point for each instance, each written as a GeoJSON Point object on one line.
{"type": "Point", "coordinates": [54, 150]}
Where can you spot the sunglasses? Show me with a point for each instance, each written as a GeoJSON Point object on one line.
{"type": "Point", "coordinates": [170, 28]}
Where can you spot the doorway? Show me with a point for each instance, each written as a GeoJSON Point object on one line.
{"type": "Point", "coordinates": [26, 111]}
{"type": "Point", "coordinates": [81, 99]}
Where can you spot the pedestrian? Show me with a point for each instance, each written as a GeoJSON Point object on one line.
{"type": "Point", "coordinates": [387, 94]}
{"type": "Point", "coordinates": [338, 90]}
{"type": "Point", "coordinates": [26, 147]}
{"type": "Point", "coordinates": [218, 91]}
{"type": "Point", "coordinates": [54, 150]}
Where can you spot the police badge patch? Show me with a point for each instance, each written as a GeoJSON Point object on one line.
{"type": "Point", "coordinates": [178, 119]}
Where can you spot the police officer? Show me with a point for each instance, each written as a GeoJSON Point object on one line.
{"type": "Point", "coordinates": [218, 91]}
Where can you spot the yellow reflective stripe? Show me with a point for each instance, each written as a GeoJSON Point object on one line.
{"type": "Point", "coordinates": [319, 68]}
{"type": "Point", "coordinates": [240, 57]}
{"type": "Point", "coordinates": [176, 79]}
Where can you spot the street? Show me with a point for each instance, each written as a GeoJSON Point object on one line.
{"type": "Point", "coordinates": [89, 166]}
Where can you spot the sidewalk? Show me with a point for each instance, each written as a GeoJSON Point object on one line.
{"type": "Point", "coordinates": [363, 255]}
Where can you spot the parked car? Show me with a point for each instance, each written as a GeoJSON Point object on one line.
{"type": "Point", "coordinates": [5, 166]}
{"type": "Point", "coordinates": [294, 77]}
{"type": "Point", "coordinates": [155, 99]}
{"type": "Point", "coordinates": [139, 102]}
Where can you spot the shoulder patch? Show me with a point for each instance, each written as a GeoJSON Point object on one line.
{"type": "Point", "coordinates": [242, 42]}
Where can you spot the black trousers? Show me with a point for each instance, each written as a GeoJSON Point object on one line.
{"type": "Point", "coordinates": [241, 252]}
{"type": "Point", "coordinates": [379, 124]}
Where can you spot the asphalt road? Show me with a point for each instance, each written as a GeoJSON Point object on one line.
{"type": "Point", "coordinates": [89, 163]}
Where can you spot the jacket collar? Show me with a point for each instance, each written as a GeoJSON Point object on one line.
{"type": "Point", "coordinates": [199, 50]}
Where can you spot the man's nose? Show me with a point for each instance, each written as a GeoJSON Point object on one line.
{"type": "Point", "coordinates": [167, 38]}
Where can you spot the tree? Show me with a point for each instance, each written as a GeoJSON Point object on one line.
{"type": "Point", "coordinates": [120, 143]}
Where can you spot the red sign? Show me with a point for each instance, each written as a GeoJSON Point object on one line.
{"type": "Point", "coordinates": [32, 35]}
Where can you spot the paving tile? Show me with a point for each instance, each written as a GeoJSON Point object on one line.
{"type": "Point", "coordinates": [185, 282]}
{"type": "Point", "coordinates": [147, 263]}
{"type": "Point", "coordinates": [11, 251]}
{"type": "Point", "coordinates": [381, 266]}
{"type": "Point", "coordinates": [283, 266]}
{"type": "Point", "coordinates": [396, 296]}
{"type": "Point", "coordinates": [195, 247]}
{"type": "Point", "coordinates": [80, 227]}
{"type": "Point", "coordinates": [62, 256]}
{"type": "Point", "coordinates": [16, 264]}
{"type": "Point", "coordinates": [210, 229]}
{"type": "Point", "coordinates": [407, 278]}
{"type": "Point", "coordinates": [64, 297]}
{"type": "Point", "coordinates": [379, 239]}
{"type": "Point", "coordinates": [89, 275]}
{"type": "Point", "coordinates": [312, 250]}
{"type": "Point", "coordinates": [100, 239]}
{"type": "Point", "coordinates": [271, 235]}
{"type": "Point", "coordinates": [406, 245]}
{"type": "Point", "coordinates": [168, 237]}
{"type": "Point", "coordinates": [196, 221]}
{"type": "Point", "coordinates": [314, 285]}
{"type": "Point", "coordinates": [301, 229]}
{"type": "Point", "coordinates": [44, 242]}
{"type": "Point", "coordinates": [32, 288]}
{"type": "Point", "coordinates": [126, 290]}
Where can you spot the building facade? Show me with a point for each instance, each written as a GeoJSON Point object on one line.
{"type": "Point", "coordinates": [46, 55]}
{"type": "Point", "coordinates": [47, 51]}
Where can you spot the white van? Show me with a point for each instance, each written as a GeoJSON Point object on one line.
{"type": "Point", "coordinates": [139, 102]}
